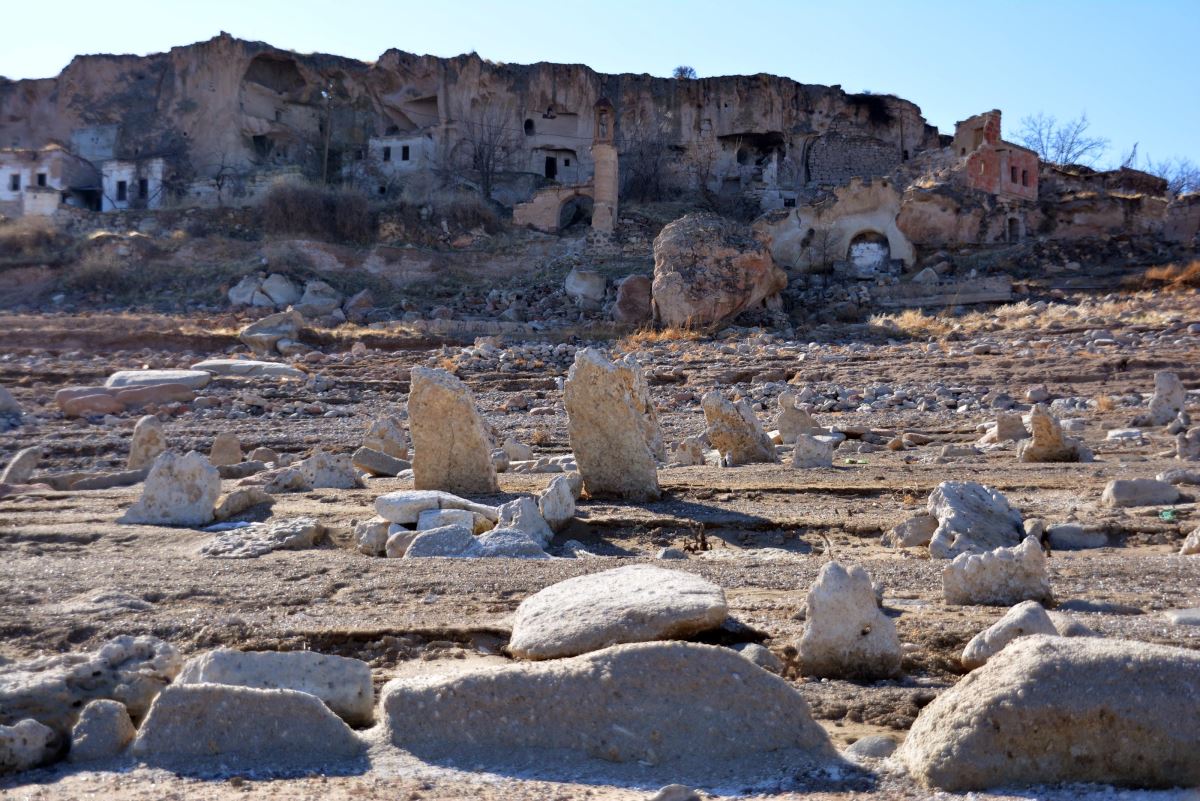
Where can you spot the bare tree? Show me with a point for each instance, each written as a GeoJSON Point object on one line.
{"type": "Point", "coordinates": [1065, 143]}
{"type": "Point", "coordinates": [825, 246]}
{"type": "Point", "coordinates": [1181, 174]}
{"type": "Point", "coordinates": [488, 145]}
{"type": "Point", "coordinates": [644, 155]}
{"type": "Point", "coordinates": [684, 73]}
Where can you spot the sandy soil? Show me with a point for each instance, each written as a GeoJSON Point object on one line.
{"type": "Point", "coordinates": [71, 577]}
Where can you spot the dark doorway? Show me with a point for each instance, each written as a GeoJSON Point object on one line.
{"type": "Point", "coordinates": [1014, 229]}
{"type": "Point", "coordinates": [551, 167]}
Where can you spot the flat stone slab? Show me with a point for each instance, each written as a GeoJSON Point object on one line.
{"type": "Point", "coordinates": [629, 604]}
{"type": "Point", "coordinates": [195, 379]}
{"type": "Point", "coordinates": [249, 367]}
{"type": "Point", "coordinates": [1184, 617]}
{"type": "Point", "coordinates": [343, 684]}
{"type": "Point", "coordinates": [405, 506]}
{"type": "Point", "coordinates": [680, 707]}
{"type": "Point", "coordinates": [242, 728]}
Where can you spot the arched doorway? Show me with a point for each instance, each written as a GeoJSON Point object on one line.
{"type": "Point", "coordinates": [869, 250]}
{"type": "Point", "coordinates": [575, 210]}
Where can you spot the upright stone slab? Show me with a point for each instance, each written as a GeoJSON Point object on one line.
{"type": "Point", "coordinates": [735, 431]}
{"type": "Point", "coordinates": [20, 468]}
{"type": "Point", "coordinates": [147, 443]}
{"type": "Point", "coordinates": [180, 491]}
{"type": "Point", "coordinates": [1167, 402]}
{"type": "Point", "coordinates": [794, 418]}
{"type": "Point", "coordinates": [608, 428]}
{"type": "Point", "coordinates": [846, 635]}
{"type": "Point", "coordinates": [226, 449]}
{"type": "Point", "coordinates": [452, 450]}
{"type": "Point", "coordinates": [1048, 443]}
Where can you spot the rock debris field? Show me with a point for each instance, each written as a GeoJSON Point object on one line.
{"type": "Point", "coordinates": [669, 566]}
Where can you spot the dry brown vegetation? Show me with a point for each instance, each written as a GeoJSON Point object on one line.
{"type": "Point", "coordinates": [32, 239]}
{"type": "Point", "coordinates": [646, 337]}
{"type": "Point", "coordinates": [1173, 277]}
{"type": "Point", "coordinates": [337, 215]}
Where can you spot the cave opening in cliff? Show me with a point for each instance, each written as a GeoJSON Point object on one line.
{"type": "Point", "coordinates": [280, 75]}
{"type": "Point", "coordinates": [869, 250]}
{"type": "Point", "coordinates": [575, 211]}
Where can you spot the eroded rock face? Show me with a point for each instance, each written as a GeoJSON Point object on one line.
{"type": "Point", "coordinates": [971, 518]}
{"type": "Point", "coordinates": [243, 728]}
{"type": "Point", "coordinates": [1048, 443]}
{"type": "Point", "coordinates": [179, 491]}
{"type": "Point", "coordinates": [846, 635]}
{"type": "Point", "coordinates": [452, 446]}
{"type": "Point", "coordinates": [1167, 401]}
{"type": "Point", "coordinates": [1002, 577]}
{"type": "Point", "coordinates": [343, 684]}
{"type": "Point", "coordinates": [148, 442]}
{"type": "Point", "coordinates": [613, 441]}
{"type": "Point", "coordinates": [1027, 617]}
{"type": "Point", "coordinates": [735, 431]}
{"type": "Point", "coordinates": [53, 689]}
{"type": "Point", "coordinates": [708, 270]}
{"type": "Point", "coordinates": [628, 604]}
{"type": "Point", "coordinates": [1056, 709]}
{"type": "Point", "coordinates": [627, 704]}
{"type": "Point", "coordinates": [24, 745]}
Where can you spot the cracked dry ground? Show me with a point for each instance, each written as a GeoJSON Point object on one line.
{"type": "Point", "coordinates": [71, 578]}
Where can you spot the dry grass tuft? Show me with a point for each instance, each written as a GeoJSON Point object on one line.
{"type": "Point", "coordinates": [541, 437]}
{"type": "Point", "coordinates": [1173, 277]}
{"type": "Point", "coordinates": [913, 323]}
{"type": "Point", "coordinates": [1106, 403]}
{"type": "Point", "coordinates": [336, 215]}
{"type": "Point", "coordinates": [645, 337]}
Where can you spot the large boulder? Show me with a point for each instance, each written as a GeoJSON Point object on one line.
{"type": "Point", "coordinates": [452, 449]}
{"type": "Point", "coordinates": [343, 684]}
{"type": "Point", "coordinates": [627, 604]}
{"type": "Point", "coordinates": [53, 689]}
{"type": "Point", "coordinates": [708, 270]}
{"type": "Point", "coordinates": [1048, 443]}
{"type": "Point", "coordinates": [846, 635]}
{"type": "Point", "coordinates": [1053, 709]}
{"type": "Point", "coordinates": [179, 491]}
{"type": "Point", "coordinates": [735, 431]}
{"type": "Point", "coordinates": [1122, 492]}
{"type": "Point", "coordinates": [147, 443]}
{"type": "Point", "coordinates": [612, 435]}
{"type": "Point", "coordinates": [243, 728]}
{"type": "Point", "coordinates": [680, 707]}
{"type": "Point", "coordinates": [971, 518]}
{"type": "Point", "coordinates": [1002, 577]}
{"type": "Point", "coordinates": [280, 290]}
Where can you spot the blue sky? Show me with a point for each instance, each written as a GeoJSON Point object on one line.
{"type": "Point", "coordinates": [1131, 66]}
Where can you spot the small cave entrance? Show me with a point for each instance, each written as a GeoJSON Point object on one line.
{"type": "Point", "coordinates": [278, 74]}
{"type": "Point", "coordinates": [869, 250]}
{"type": "Point", "coordinates": [574, 211]}
{"type": "Point", "coordinates": [1014, 230]}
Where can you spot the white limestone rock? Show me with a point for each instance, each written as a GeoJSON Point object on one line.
{"type": "Point", "coordinates": [21, 467]}
{"type": "Point", "coordinates": [330, 470]}
{"type": "Point", "coordinates": [259, 539]}
{"type": "Point", "coordinates": [735, 431]}
{"type": "Point", "coordinates": [612, 438]}
{"type": "Point", "coordinates": [386, 434]}
{"type": "Point", "coordinates": [812, 451]}
{"type": "Point", "coordinates": [343, 684]}
{"type": "Point", "coordinates": [147, 443]}
{"type": "Point", "coordinates": [1047, 710]}
{"type": "Point", "coordinates": [522, 514]}
{"type": "Point", "coordinates": [1002, 577]}
{"type": "Point", "coordinates": [103, 731]}
{"type": "Point", "coordinates": [1187, 445]}
{"type": "Point", "coordinates": [1168, 400]}
{"type": "Point", "coordinates": [557, 503]}
{"type": "Point", "coordinates": [405, 506]}
{"type": "Point", "coordinates": [281, 290]}
{"type": "Point", "coordinates": [179, 491]}
{"type": "Point", "coordinates": [1027, 617]}
{"type": "Point", "coordinates": [53, 689]}
{"type": "Point", "coordinates": [628, 707]}
{"type": "Point", "coordinates": [1121, 493]}
{"type": "Point", "coordinates": [250, 368]}
{"type": "Point", "coordinates": [846, 636]}
{"type": "Point", "coordinates": [452, 446]}
{"type": "Point", "coordinates": [398, 540]}
{"type": "Point", "coordinates": [627, 604]}
{"type": "Point", "coordinates": [447, 541]}
{"type": "Point", "coordinates": [1008, 428]}
{"type": "Point", "coordinates": [226, 450]}
{"type": "Point", "coordinates": [794, 418]}
{"type": "Point", "coordinates": [244, 728]}
{"type": "Point", "coordinates": [1048, 443]}
{"type": "Point", "coordinates": [1191, 544]}
{"type": "Point", "coordinates": [437, 518]}
{"type": "Point", "coordinates": [24, 745]}
{"type": "Point", "coordinates": [263, 336]}
{"type": "Point", "coordinates": [971, 518]}
{"type": "Point", "coordinates": [193, 379]}
{"type": "Point", "coordinates": [761, 656]}
{"type": "Point", "coordinates": [915, 532]}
